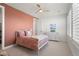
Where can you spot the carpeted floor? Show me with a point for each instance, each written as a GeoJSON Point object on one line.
{"type": "Point", "coordinates": [21, 51]}
{"type": "Point", "coordinates": [51, 49]}
{"type": "Point", "coordinates": [55, 49]}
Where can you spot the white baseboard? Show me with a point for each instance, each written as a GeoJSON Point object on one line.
{"type": "Point", "coordinates": [9, 46]}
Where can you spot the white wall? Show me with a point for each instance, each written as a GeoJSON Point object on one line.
{"type": "Point", "coordinates": [38, 26]}
{"type": "Point", "coordinates": [69, 24]}
{"type": "Point", "coordinates": [60, 22]}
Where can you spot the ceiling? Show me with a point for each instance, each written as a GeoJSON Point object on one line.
{"type": "Point", "coordinates": [31, 8]}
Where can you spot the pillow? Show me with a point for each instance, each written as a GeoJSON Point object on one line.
{"type": "Point", "coordinates": [17, 34]}
{"type": "Point", "coordinates": [29, 33]}
{"type": "Point", "coordinates": [25, 33]}
{"type": "Point", "coordinates": [20, 33]}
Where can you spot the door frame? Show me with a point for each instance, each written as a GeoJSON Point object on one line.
{"type": "Point", "coordinates": [3, 28]}
{"type": "Point", "coordinates": [34, 28]}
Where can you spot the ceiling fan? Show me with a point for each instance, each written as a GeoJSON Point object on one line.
{"type": "Point", "coordinates": [40, 10]}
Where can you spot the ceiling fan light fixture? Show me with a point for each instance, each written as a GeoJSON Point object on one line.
{"type": "Point", "coordinates": [40, 10]}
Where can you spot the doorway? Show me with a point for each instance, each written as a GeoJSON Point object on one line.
{"type": "Point", "coordinates": [1, 27]}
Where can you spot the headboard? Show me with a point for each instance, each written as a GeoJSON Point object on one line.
{"type": "Point", "coordinates": [20, 33]}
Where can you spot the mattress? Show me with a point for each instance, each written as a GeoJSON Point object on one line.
{"type": "Point", "coordinates": [40, 37]}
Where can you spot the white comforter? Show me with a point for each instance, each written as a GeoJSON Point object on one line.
{"type": "Point", "coordinates": [40, 37]}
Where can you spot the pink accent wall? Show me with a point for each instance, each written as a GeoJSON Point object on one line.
{"type": "Point", "coordinates": [15, 20]}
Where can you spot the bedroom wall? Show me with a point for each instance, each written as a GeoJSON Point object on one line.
{"type": "Point", "coordinates": [38, 26]}
{"type": "Point", "coordinates": [15, 20]}
{"type": "Point", "coordinates": [69, 24]}
{"type": "Point", "coordinates": [59, 20]}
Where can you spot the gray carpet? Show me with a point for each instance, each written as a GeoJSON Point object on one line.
{"type": "Point", "coordinates": [55, 49]}
{"type": "Point", "coordinates": [51, 49]}
{"type": "Point", "coordinates": [54, 40]}
{"type": "Point", "coordinates": [21, 51]}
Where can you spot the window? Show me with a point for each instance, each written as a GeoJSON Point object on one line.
{"type": "Point", "coordinates": [75, 21]}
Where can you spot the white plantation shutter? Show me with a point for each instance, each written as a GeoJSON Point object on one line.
{"type": "Point", "coordinates": [75, 21]}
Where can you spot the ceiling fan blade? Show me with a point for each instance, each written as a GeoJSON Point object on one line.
{"type": "Point", "coordinates": [40, 10]}
{"type": "Point", "coordinates": [37, 11]}
{"type": "Point", "coordinates": [46, 10]}
{"type": "Point", "coordinates": [38, 5]}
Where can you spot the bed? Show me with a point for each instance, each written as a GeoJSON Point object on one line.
{"type": "Point", "coordinates": [35, 42]}
{"type": "Point", "coordinates": [42, 40]}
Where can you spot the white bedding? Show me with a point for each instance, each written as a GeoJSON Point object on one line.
{"type": "Point", "coordinates": [40, 37]}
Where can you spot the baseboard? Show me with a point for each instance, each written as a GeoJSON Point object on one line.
{"type": "Point", "coordinates": [9, 46]}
